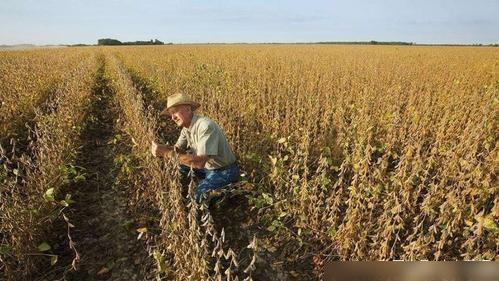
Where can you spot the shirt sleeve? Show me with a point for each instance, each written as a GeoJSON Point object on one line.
{"type": "Point", "coordinates": [208, 140]}
{"type": "Point", "coordinates": [182, 141]}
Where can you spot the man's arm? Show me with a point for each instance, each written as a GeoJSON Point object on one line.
{"type": "Point", "coordinates": [160, 150]}
{"type": "Point", "coordinates": [194, 161]}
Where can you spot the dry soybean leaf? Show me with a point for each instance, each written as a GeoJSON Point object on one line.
{"type": "Point", "coordinates": [43, 247]}
{"type": "Point", "coordinates": [53, 260]}
{"type": "Point", "coordinates": [49, 195]}
{"type": "Point", "coordinates": [103, 271]}
{"type": "Point", "coordinates": [490, 225]}
{"type": "Point", "coordinates": [273, 160]}
{"type": "Point", "coordinates": [160, 261]}
{"type": "Point", "coordinates": [141, 232]}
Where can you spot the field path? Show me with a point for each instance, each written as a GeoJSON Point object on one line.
{"type": "Point", "coordinates": [105, 239]}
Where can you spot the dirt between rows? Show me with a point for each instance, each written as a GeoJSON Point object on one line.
{"type": "Point", "coordinates": [104, 233]}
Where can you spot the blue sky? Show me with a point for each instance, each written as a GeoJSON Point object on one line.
{"type": "Point", "coordinates": [191, 21]}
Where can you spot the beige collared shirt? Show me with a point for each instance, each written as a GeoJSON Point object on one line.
{"type": "Point", "coordinates": [204, 137]}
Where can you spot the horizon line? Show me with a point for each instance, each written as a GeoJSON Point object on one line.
{"type": "Point", "coordinates": [366, 42]}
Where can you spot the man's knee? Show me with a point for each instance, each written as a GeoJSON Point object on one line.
{"type": "Point", "coordinates": [213, 181]}
{"type": "Point", "coordinates": [201, 189]}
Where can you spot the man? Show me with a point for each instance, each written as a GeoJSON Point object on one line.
{"type": "Point", "coordinates": [211, 157]}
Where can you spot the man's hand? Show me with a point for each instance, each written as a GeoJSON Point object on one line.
{"type": "Point", "coordinates": [159, 150]}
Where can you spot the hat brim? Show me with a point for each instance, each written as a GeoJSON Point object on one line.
{"type": "Point", "coordinates": [193, 104]}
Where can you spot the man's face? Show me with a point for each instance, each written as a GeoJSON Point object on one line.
{"type": "Point", "coordinates": [181, 115]}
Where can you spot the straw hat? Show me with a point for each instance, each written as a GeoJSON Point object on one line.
{"type": "Point", "coordinates": [178, 99]}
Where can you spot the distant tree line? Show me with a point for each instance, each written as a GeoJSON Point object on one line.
{"type": "Point", "coordinates": [399, 43]}
{"type": "Point", "coordinates": [114, 42]}
{"type": "Point", "coordinates": [372, 42]}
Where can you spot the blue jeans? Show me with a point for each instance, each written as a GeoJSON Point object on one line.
{"type": "Point", "coordinates": [212, 179]}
